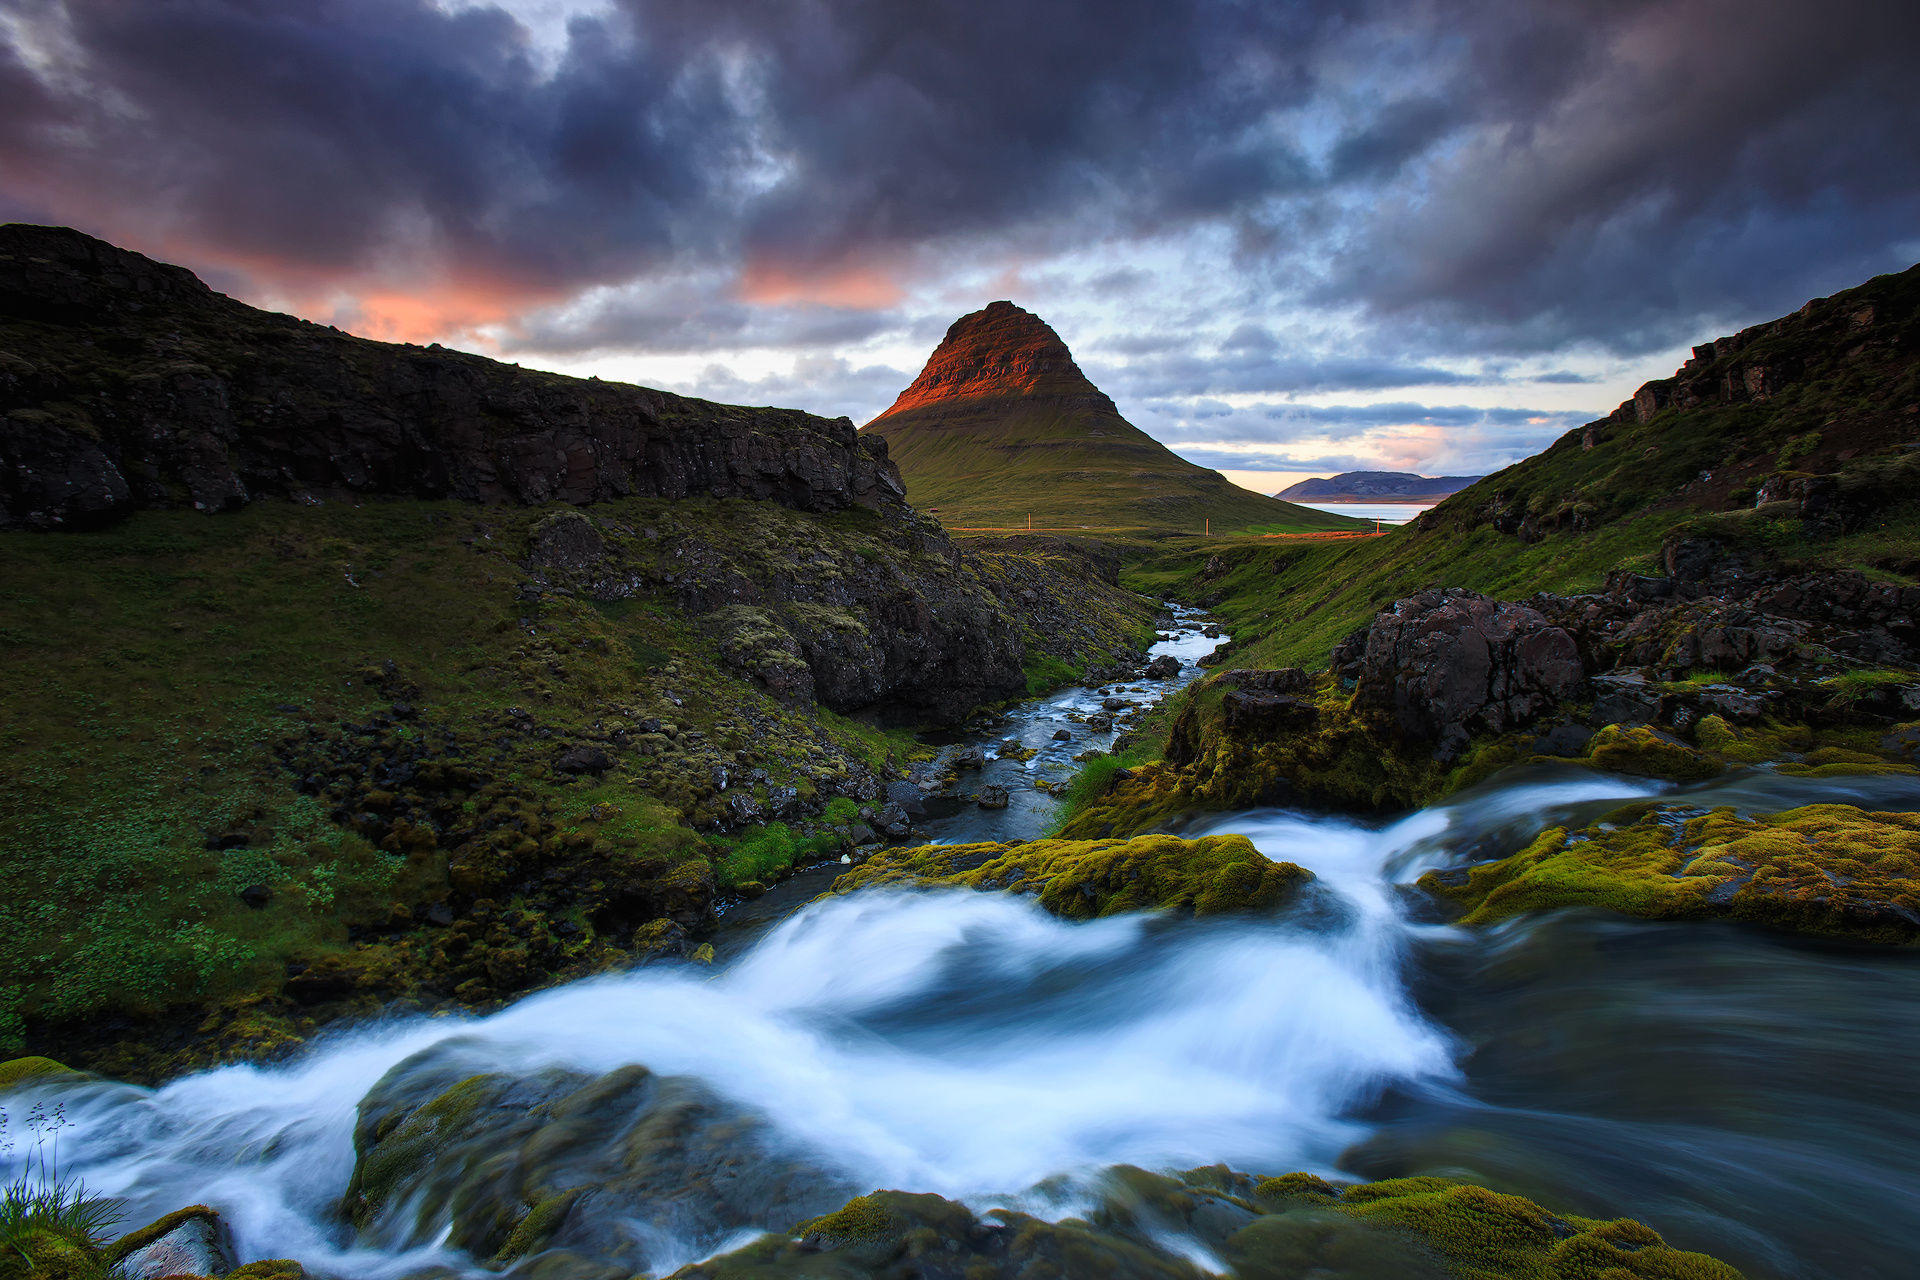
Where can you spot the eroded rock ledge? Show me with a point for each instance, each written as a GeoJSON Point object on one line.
{"type": "Point", "coordinates": [126, 383]}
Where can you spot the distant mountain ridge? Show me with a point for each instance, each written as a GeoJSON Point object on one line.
{"type": "Point", "coordinates": [1375, 486]}
{"type": "Point", "coordinates": [1002, 424]}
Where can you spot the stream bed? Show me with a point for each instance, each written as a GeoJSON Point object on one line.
{"type": "Point", "coordinates": [1746, 1094]}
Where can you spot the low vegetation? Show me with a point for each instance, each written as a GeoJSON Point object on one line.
{"type": "Point", "coordinates": [1085, 879]}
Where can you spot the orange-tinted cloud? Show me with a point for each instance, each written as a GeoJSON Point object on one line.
{"type": "Point", "coordinates": [370, 303]}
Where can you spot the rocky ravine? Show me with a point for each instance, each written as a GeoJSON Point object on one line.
{"type": "Point", "coordinates": [1718, 665]}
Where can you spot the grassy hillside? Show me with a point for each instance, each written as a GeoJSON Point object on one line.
{"type": "Point", "coordinates": [436, 770]}
{"type": "Point", "coordinates": [1794, 443]}
{"type": "Point", "coordinates": [1074, 468]}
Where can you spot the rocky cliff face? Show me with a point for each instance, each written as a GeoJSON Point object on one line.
{"type": "Point", "coordinates": [126, 383]}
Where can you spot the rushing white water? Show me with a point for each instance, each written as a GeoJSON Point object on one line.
{"type": "Point", "coordinates": [954, 1042]}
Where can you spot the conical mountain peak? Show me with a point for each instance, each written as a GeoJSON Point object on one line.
{"type": "Point", "coordinates": [997, 352]}
{"type": "Point", "coordinates": [1002, 428]}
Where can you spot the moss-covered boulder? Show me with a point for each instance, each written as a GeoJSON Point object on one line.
{"type": "Point", "coordinates": [1479, 1234]}
{"type": "Point", "coordinates": [34, 1070]}
{"type": "Point", "coordinates": [1649, 753]}
{"type": "Point", "coordinates": [599, 1170]}
{"type": "Point", "coordinates": [1148, 1226]}
{"type": "Point", "coordinates": [1084, 879]}
{"type": "Point", "coordinates": [1241, 739]}
{"type": "Point", "coordinates": [1821, 869]}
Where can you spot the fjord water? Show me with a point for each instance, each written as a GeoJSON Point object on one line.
{"type": "Point", "coordinates": [1384, 512]}
{"type": "Point", "coordinates": [1745, 1094]}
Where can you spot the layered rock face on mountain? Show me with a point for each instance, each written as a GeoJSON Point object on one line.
{"type": "Point", "coordinates": [1002, 424]}
{"type": "Point", "coordinates": [126, 383]}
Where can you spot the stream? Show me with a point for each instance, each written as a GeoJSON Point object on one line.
{"type": "Point", "coordinates": [1747, 1094]}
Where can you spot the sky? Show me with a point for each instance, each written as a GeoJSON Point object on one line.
{"type": "Point", "coordinates": [1287, 238]}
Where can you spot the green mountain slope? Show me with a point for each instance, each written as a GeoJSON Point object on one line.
{"type": "Point", "coordinates": [1002, 425]}
{"type": "Point", "coordinates": [1793, 443]}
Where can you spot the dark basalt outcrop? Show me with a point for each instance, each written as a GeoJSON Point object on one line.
{"type": "Point", "coordinates": [127, 383]}
{"type": "Point", "coordinates": [894, 621]}
{"type": "Point", "coordinates": [1447, 664]}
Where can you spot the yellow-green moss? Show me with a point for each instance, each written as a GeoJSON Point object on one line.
{"type": "Point", "coordinates": [1297, 1224]}
{"type": "Point", "coordinates": [1082, 879]}
{"type": "Point", "coordinates": [1647, 753]}
{"type": "Point", "coordinates": [269, 1269]}
{"type": "Point", "coordinates": [532, 1232]}
{"type": "Point", "coordinates": [1485, 1235]}
{"type": "Point", "coordinates": [862, 1218]}
{"type": "Point", "coordinates": [21, 1071]}
{"type": "Point", "coordinates": [1825, 869]}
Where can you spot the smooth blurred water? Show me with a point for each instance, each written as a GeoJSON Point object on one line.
{"type": "Point", "coordinates": [1745, 1093]}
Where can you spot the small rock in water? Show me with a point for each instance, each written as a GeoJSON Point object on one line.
{"type": "Point", "coordinates": [991, 797]}
{"type": "Point", "coordinates": [1062, 735]}
{"type": "Point", "coordinates": [1164, 667]}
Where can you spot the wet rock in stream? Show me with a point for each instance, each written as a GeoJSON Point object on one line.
{"type": "Point", "coordinates": [602, 1175]}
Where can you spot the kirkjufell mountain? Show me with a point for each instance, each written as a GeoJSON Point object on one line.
{"type": "Point", "coordinates": [1002, 424]}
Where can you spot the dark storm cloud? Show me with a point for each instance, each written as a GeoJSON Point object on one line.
{"type": "Point", "coordinates": [1707, 159]}
{"type": "Point", "coordinates": [321, 134]}
{"type": "Point", "coordinates": [1495, 174]}
{"type": "Point", "coordinates": [1401, 131]}
{"type": "Point", "coordinates": [666, 321]}
{"type": "Point", "coordinates": [329, 135]}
